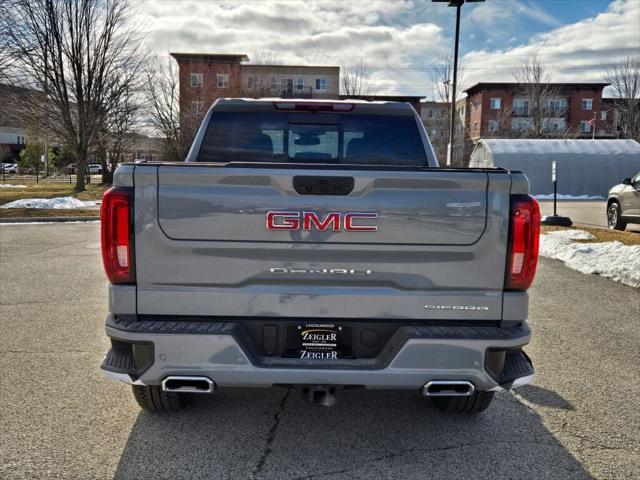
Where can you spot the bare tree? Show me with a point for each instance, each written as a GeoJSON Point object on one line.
{"type": "Point", "coordinates": [80, 53]}
{"type": "Point", "coordinates": [624, 78]}
{"type": "Point", "coordinates": [7, 58]}
{"type": "Point", "coordinates": [266, 57]}
{"type": "Point", "coordinates": [262, 75]}
{"type": "Point", "coordinates": [441, 74]}
{"type": "Point", "coordinates": [117, 133]}
{"type": "Point", "coordinates": [355, 80]}
{"type": "Point", "coordinates": [540, 101]}
{"type": "Point", "coordinates": [162, 95]}
{"type": "Point", "coordinates": [5, 152]}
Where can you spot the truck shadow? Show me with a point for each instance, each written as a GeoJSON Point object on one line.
{"type": "Point", "coordinates": [543, 397]}
{"type": "Point", "coordinates": [273, 433]}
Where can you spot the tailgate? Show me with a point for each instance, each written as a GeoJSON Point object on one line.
{"type": "Point", "coordinates": [431, 244]}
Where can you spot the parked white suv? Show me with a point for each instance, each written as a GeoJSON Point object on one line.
{"type": "Point", "coordinates": [623, 203]}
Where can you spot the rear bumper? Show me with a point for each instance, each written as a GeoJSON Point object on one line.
{"type": "Point", "coordinates": [488, 356]}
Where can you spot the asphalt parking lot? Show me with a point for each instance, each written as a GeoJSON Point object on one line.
{"type": "Point", "coordinates": [60, 419]}
{"type": "Point", "coordinates": [582, 212]}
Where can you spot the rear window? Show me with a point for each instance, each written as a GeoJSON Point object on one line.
{"type": "Point", "coordinates": [281, 137]}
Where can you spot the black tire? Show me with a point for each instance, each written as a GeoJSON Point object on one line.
{"type": "Point", "coordinates": [152, 398]}
{"type": "Point", "coordinates": [477, 402]}
{"type": "Point", "coordinates": [614, 217]}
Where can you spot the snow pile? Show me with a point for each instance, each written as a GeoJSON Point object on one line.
{"type": "Point", "coordinates": [57, 203]}
{"type": "Point", "coordinates": [609, 259]}
{"type": "Point", "coordinates": [8, 185]}
{"type": "Point", "coordinates": [570, 197]}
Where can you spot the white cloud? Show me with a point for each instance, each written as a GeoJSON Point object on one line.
{"type": "Point", "coordinates": [581, 51]}
{"type": "Point", "coordinates": [399, 40]}
{"type": "Point", "coordinates": [298, 31]}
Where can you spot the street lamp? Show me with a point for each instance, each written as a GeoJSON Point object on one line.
{"type": "Point", "coordinates": [458, 4]}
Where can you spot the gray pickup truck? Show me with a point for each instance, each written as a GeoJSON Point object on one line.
{"type": "Point", "coordinates": [317, 245]}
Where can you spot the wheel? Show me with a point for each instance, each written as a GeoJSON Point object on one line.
{"type": "Point", "coordinates": [614, 217]}
{"type": "Point", "coordinates": [477, 402]}
{"type": "Point", "coordinates": [151, 397]}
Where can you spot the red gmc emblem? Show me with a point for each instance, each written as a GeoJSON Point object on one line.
{"type": "Point", "coordinates": [332, 221]}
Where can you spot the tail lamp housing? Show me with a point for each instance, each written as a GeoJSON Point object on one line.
{"type": "Point", "coordinates": [116, 213]}
{"type": "Point", "coordinates": [524, 240]}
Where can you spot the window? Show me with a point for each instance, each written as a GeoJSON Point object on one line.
{"type": "Point", "coordinates": [321, 83]}
{"type": "Point", "coordinates": [603, 115]}
{"type": "Point", "coordinates": [494, 125]}
{"type": "Point", "coordinates": [430, 114]}
{"type": "Point", "coordinates": [274, 83]}
{"type": "Point", "coordinates": [556, 107]}
{"type": "Point", "coordinates": [252, 82]}
{"type": "Point", "coordinates": [521, 108]}
{"type": "Point", "coordinates": [21, 140]}
{"type": "Point", "coordinates": [587, 104]}
{"type": "Point", "coordinates": [281, 137]}
{"type": "Point", "coordinates": [300, 83]}
{"type": "Point", "coordinates": [475, 126]}
{"type": "Point", "coordinates": [196, 107]}
{"type": "Point", "coordinates": [520, 124]}
{"type": "Point", "coordinates": [286, 85]}
{"type": "Point", "coordinates": [196, 80]}
{"type": "Point", "coordinates": [222, 80]}
{"type": "Point", "coordinates": [495, 104]}
{"type": "Point", "coordinates": [585, 126]}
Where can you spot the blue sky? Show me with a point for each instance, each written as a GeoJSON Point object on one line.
{"type": "Point", "coordinates": [401, 40]}
{"type": "Point", "coordinates": [527, 19]}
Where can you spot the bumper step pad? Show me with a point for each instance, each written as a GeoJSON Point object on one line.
{"type": "Point", "coordinates": [119, 360]}
{"type": "Point", "coordinates": [516, 365]}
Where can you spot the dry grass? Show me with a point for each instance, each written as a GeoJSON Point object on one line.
{"type": "Point", "coordinates": [51, 190]}
{"type": "Point", "coordinates": [601, 234]}
{"type": "Point", "coordinates": [47, 212]}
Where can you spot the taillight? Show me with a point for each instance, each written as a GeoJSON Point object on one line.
{"type": "Point", "coordinates": [117, 236]}
{"type": "Point", "coordinates": [524, 238]}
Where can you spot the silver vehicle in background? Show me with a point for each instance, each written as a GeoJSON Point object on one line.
{"type": "Point", "coordinates": [623, 203]}
{"type": "Point", "coordinates": [10, 167]}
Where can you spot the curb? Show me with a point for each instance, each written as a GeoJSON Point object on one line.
{"type": "Point", "coordinates": [48, 219]}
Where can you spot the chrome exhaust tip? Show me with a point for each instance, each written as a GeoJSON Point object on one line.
{"type": "Point", "coordinates": [448, 388]}
{"type": "Point", "coordinates": [188, 384]}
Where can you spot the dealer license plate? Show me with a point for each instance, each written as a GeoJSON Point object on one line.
{"type": "Point", "coordinates": [319, 341]}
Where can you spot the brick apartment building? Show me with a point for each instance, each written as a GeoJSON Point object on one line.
{"type": "Point", "coordinates": [500, 109]}
{"type": "Point", "coordinates": [206, 77]}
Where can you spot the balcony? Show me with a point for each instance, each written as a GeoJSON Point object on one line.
{"type": "Point", "coordinates": [556, 112]}
{"type": "Point", "coordinates": [548, 112]}
{"type": "Point", "coordinates": [521, 112]}
{"type": "Point", "coordinates": [296, 92]}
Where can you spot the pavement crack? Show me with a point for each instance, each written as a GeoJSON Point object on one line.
{"type": "Point", "coordinates": [399, 453]}
{"type": "Point", "coordinates": [271, 436]}
{"type": "Point", "coordinates": [597, 445]}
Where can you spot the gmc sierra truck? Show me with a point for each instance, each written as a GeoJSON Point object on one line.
{"type": "Point", "coordinates": [317, 245]}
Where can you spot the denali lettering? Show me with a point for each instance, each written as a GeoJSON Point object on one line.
{"type": "Point", "coordinates": [292, 220]}
{"type": "Point", "coordinates": [321, 271]}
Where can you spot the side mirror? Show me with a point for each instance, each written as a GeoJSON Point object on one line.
{"type": "Point", "coordinates": [626, 181]}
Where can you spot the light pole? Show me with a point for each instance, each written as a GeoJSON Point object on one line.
{"type": "Point", "coordinates": [452, 122]}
